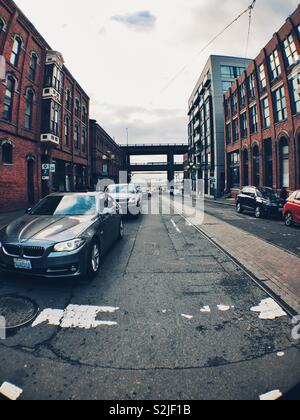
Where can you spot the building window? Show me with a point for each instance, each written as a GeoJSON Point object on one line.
{"type": "Point", "coordinates": [76, 137]}
{"type": "Point", "coordinates": [275, 68]}
{"type": "Point", "coordinates": [253, 119]}
{"type": "Point", "coordinates": [251, 86]}
{"type": "Point", "coordinates": [9, 98]}
{"type": "Point", "coordinates": [29, 109]}
{"type": "Point", "coordinates": [280, 104]}
{"type": "Point", "coordinates": [284, 163]}
{"type": "Point", "coordinates": [67, 131]}
{"type": "Point", "coordinates": [290, 50]}
{"type": "Point", "coordinates": [295, 90]}
{"type": "Point", "coordinates": [84, 115]}
{"type": "Point", "coordinates": [68, 99]}
{"type": "Point", "coordinates": [262, 77]}
{"type": "Point", "coordinates": [56, 78]}
{"type": "Point", "coordinates": [83, 140]}
{"type": "Point", "coordinates": [54, 118]}
{"type": "Point", "coordinates": [266, 113]}
{"type": "Point", "coordinates": [228, 133]}
{"type": "Point", "coordinates": [226, 86]}
{"type": "Point", "coordinates": [2, 25]}
{"type": "Point", "coordinates": [32, 67]}
{"type": "Point", "coordinates": [227, 109]}
{"type": "Point", "coordinates": [15, 54]}
{"type": "Point", "coordinates": [231, 71]}
{"type": "Point", "coordinates": [235, 129]}
{"type": "Point", "coordinates": [244, 125]}
{"type": "Point", "coordinates": [242, 92]}
{"type": "Point", "coordinates": [234, 169]}
{"type": "Point", "coordinates": [77, 108]}
{"type": "Point", "coordinates": [7, 154]}
{"type": "Point", "coordinates": [234, 103]}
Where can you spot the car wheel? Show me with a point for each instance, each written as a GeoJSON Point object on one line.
{"type": "Point", "coordinates": [94, 259]}
{"type": "Point", "coordinates": [239, 208]}
{"type": "Point", "coordinates": [289, 219]}
{"type": "Point", "coordinates": [258, 212]}
{"type": "Point", "coordinates": [121, 230]}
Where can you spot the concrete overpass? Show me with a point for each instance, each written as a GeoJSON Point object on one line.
{"type": "Point", "coordinates": [170, 150]}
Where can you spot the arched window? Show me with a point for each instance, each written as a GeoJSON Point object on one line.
{"type": "Point", "coordinates": [16, 50]}
{"type": "Point", "coordinates": [32, 66]}
{"type": "Point", "coordinates": [9, 98]}
{"type": "Point", "coordinates": [68, 99]}
{"type": "Point", "coordinates": [76, 136]}
{"type": "Point", "coordinates": [77, 108]}
{"type": "Point", "coordinates": [256, 171]}
{"type": "Point", "coordinates": [284, 163]}
{"type": "Point", "coordinates": [67, 131]}
{"type": "Point", "coordinates": [83, 141]}
{"type": "Point", "coordinates": [7, 153]}
{"type": "Point", "coordinates": [84, 115]}
{"type": "Point", "coordinates": [2, 25]}
{"type": "Point", "coordinates": [29, 109]}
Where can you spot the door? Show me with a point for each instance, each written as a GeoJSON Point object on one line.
{"type": "Point", "coordinates": [30, 181]}
{"type": "Point", "coordinates": [296, 207]}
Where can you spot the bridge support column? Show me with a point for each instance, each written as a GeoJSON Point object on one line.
{"type": "Point", "coordinates": [171, 167]}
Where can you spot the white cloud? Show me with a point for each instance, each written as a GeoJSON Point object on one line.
{"type": "Point", "coordinates": [128, 69]}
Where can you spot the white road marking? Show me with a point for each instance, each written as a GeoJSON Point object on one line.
{"type": "Point", "coordinates": [269, 310]}
{"type": "Point", "coordinates": [205, 309]}
{"type": "Point", "coordinates": [223, 308]}
{"type": "Point", "coordinates": [76, 316]}
{"type": "Point", "coordinates": [187, 316]}
{"type": "Point", "coordinates": [271, 396]}
{"type": "Point", "coordinates": [10, 391]}
{"type": "Point", "coordinates": [175, 226]}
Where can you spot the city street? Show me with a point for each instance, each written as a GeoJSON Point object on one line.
{"type": "Point", "coordinates": [177, 323]}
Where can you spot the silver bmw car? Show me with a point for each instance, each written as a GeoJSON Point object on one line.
{"type": "Point", "coordinates": [64, 235]}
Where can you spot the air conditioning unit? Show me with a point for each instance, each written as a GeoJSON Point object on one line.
{"type": "Point", "coordinates": [49, 138]}
{"type": "Point", "coordinates": [51, 93]}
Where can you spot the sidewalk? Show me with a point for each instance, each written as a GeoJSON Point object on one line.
{"type": "Point", "coordinates": [272, 266]}
{"type": "Point", "coordinates": [6, 218]}
{"type": "Point", "coordinates": [223, 201]}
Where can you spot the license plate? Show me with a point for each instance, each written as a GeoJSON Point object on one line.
{"type": "Point", "coordinates": [22, 264]}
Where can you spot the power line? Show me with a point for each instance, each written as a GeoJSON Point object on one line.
{"type": "Point", "coordinates": [248, 10]}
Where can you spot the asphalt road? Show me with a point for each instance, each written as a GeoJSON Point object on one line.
{"type": "Point", "coordinates": [271, 230]}
{"type": "Point", "coordinates": [162, 270]}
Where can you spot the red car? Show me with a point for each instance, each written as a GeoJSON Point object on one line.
{"type": "Point", "coordinates": [291, 211]}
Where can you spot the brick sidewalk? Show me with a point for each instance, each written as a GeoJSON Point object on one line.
{"type": "Point", "coordinates": [276, 268]}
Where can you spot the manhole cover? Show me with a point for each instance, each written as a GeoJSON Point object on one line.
{"type": "Point", "coordinates": [17, 311]}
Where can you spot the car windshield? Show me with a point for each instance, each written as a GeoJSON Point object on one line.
{"type": "Point", "coordinates": [80, 205]}
{"type": "Point", "coordinates": [267, 193]}
{"type": "Point", "coordinates": [121, 189]}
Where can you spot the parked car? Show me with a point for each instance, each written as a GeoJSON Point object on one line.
{"type": "Point", "coordinates": [129, 198]}
{"type": "Point", "coordinates": [261, 201]}
{"type": "Point", "coordinates": [64, 235]}
{"type": "Point", "coordinates": [291, 211]}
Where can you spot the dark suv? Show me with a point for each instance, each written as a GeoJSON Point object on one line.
{"type": "Point", "coordinates": [261, 201]}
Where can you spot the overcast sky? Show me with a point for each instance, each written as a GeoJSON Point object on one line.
{"type": "Point", "coordinates": [124, 53]}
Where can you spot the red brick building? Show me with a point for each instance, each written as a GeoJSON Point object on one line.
{"type": "Point", "coordinates": [262, 116]}
{"type": "Point", "coordinates": [20, 95]}
{"type": "Point", "coordinates": [44, 116]}
{"type": "Point", "coordinates": [106, 155]}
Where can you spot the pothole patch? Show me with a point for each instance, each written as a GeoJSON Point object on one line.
{"type": "Point", "coordinates": [17, 311]}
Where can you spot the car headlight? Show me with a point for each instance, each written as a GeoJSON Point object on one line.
{"type": "Point", "coordinates": [69, 246]}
